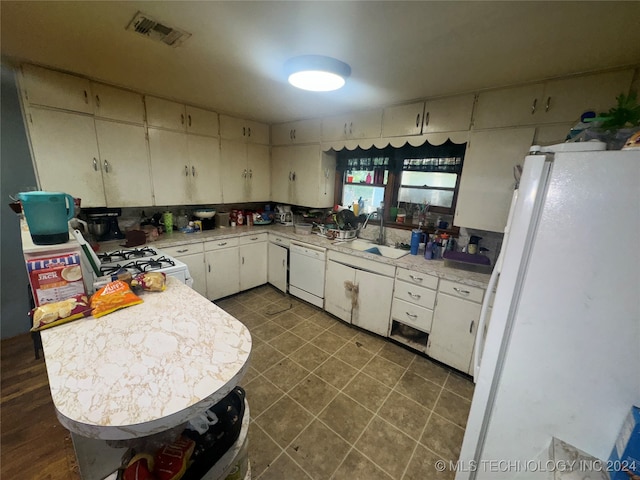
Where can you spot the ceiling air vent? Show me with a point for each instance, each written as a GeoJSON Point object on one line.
{"type": "Point", "coordinates": [147, 26]}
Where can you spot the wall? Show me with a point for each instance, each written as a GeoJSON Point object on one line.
{"type": "Point", "coordinates": [16, 174]}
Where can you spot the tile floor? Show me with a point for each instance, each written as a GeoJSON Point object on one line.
{"type": "Point", "coordinates": [329, 401]}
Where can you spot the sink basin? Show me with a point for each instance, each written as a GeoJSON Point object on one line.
{"type": "Point", "coordinates": [370, 247]}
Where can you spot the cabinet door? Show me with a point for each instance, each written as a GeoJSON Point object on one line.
{"type": "Point", "coordinates": [202, 122]}
{"type": "Point", "coordinates": [117, 104]}
{"type": "Point", "coordinates": [196, 266]}
{"type": "Point", "coordinates": [125, 164]}
{"type": "Point", "coordinates": [277, 267]}
{"type": "Point", "coordinates": [453, 331]}
{"type": "Point", "coordinates": [165, 114]}
{"type": "Point", "coordinates": [402, 120]}
{"type": "Point", "coordinates": [508, 107]}
{"type": "Point", "coordinates": [223, 272]}
{"type": "Point", "coordinates": [233, 158]}
{"type": "Point", "coordinates": [55, 89]}
{"type": "Point", "coordinates": [253, 265]}
{"type": "Point", "coordinates": [204, 161]}
{"type": "Point", "coordinates": [337, 299]}
{"type": "Point", "coordinates": [308, 176]}
{"type": "Point", "coordinates": [375, 293]}
{"type": "Point", "coordinates": [565, 100]}
{"type": "Point", "coordinates": [487, 182]}
{"type": "Point", "coordinates": [448, 114]}
{"type": "Point", "coordinates": [257, 132]}
{"type": "Point", "coordinates": [66, 155]}
{"type": "Point", "coordinates": [335, 128]}
{"type": "Point", "coordinates": [304, 131]}
{"type": "Point", "coordinates": [169, 166]}
{"type": "Point", "coordinates": [365, 124]}
{"type": "Point", "coordinates": [233, 128]}
{"type": "Point", "coordinates": [259, 173]}
{"type": "Point", "coordinates": [281, 174]}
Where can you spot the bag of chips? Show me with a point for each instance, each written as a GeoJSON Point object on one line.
{"type": "Point", "coordinates": [113, 296]}
{"type": "Point", "coordinates": [57, 313]}
{"type": "Point", "coordinates": [150, 281]}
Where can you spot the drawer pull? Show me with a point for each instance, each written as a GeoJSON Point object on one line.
{"type": "Point", "coordinates": [471, 326]}
{"type": "Point", "coordinates": [461, 292]}
{"type": "Point", "coordinates": [533, 106]}
{"type": "Point", "coordinates": [411, 315]}
{"type": "Point", "coordinates": [417, 279]}
{"type": "Point", "coordinates": [253, 239]}
{"type": "Point", "coordinates": [183, 250]}
{"type": "Point", "coordinates": [222, 244]}
{"type": "Point", "coordinates": [414, 295]}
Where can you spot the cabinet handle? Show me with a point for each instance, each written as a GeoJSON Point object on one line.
{"type": "Point", "coordinates": [249, 130]}
{"type": "Point", "coordinates": [471, 326]}
{"type": "Point", "coordinates": [209, 268]}
{"type": "Point", "coordinates": [283, 262]}
{"type": "Point", "coordinates": [242, 260]}
{"type": "Point", "coordinates": [182, 118]}
{"type": "Point", "coordinates": [548, 105]}
{"type": "Point", "coordinates": [183, 250]}
{"type": "Point", "coordinates": [244, 173]}
{"type": "Point", "coordinates": [426, 118]}
{"type": "Point", "coordinates": [414, 295]}
{"type": "Point", "coordinates": [244, 131]}
{"type": "Point", "coordinates": [417, 120]}
{"type": "Point", "coordinates": [189, 118]}
{"type": "Point", "coordinates": [345, 128]}
{"type": "Point", "coordinates": [95, 164]}
{"type": "Point", "coordinates": [193, 170]}
{"type": "Point", "coordinates": [351, 128]}
{"type": "Point", "coordinates": [98, 101]}
{"type": "Point", "coordinates": [294, 176]}
{"type": "Point", "coordinates": [250, 173]}
{"type": "Point", "coordinates": [533, 106]}
{"type": "Point", "coordinates": [461, 292]}
{"type": "Point", "coordinates": [411, 315]}
{"type": "Point", "coordinates": [253, 239]}
{"type": "Point", "coordinates": [186, 171]}
{"type": "Point", "coordinates": [294, 133]}
{"type": "Point", "coordinates": [417, 279]}
{"type": "Point", "coordinates": [222, 244]}
{"type": "Point", "coordinates": [106, 166]}
{"type": "Point", "coordinates": [86, 97]}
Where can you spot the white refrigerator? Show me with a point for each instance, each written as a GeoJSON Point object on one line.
{"type": "Point", "coordinates": [561, 355]}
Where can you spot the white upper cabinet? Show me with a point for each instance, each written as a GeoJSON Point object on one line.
{"type": "Point", "coordinates": [352, 126]}
{"type": "Point", "coordinates": [248, 131]}
{"type": "Point", "coordinates": [66, 154]}
{"type": "Point", "coordinates": [487, 181]}
{"type": "Point", "coordinates": [54, 89]}
{"type": "Point", "coordinates": [566, 99]}
{"type": "Point", "coordinates": [125, 163]}
{"type": "Point", "coordinates": [304, 131]}
{"type": "Point", "coordinates": [117, 104]}
{"type": "Point", "coordinates": [401, 120]}
{"type": "Point", "coordinates": [448, 114]}
{"type": "Point", "coordinates": [246, 172]}
{"type": "Point", "coordinates": [204, 168]}
{"type": "Point", "coordinates": [163, 113]}
{"type": "Point", "coordinates": [508, 107]}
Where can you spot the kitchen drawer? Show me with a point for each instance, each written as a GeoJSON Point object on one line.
{"type": "Point", "coordinates": [278, 240]}
{"type": "Point", "coordinates": [182, 250]}
{"type": "Point", "coordinates": [412, 315]}
{"type": "Point", "coordinates": [221, 243]}
{"type": "Point", "coordinates": [246, 240]}
{"type": "Point", "coordinates": [416, 278]}
{"type": "Point", "coordinates": [459, 290]}
{"type": "Point", "coordinates": [412, 293]}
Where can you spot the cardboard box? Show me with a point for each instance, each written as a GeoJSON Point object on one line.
{"type": "Point", "coordinates": [55, 277]}
{"type": "Point", "coordinates": [626, 451]}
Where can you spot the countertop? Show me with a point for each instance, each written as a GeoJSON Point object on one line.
{"type": "Point", "coordinates": [414, 262]}
{"type": "Point", "coordinates": [147, 368]}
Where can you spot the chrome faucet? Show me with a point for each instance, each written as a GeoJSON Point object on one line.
{"type": "Point", "coordinates": [381, 239]}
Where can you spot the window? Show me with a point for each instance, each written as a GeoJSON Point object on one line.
{"type": "Point", "coordinates": [407, 176]}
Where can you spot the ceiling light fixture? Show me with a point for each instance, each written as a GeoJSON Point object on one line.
{"type": "Point", "coordinates": [317, 73]}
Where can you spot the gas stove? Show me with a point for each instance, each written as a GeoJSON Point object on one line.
{"type": "Point", "coordinates": [140, 260]}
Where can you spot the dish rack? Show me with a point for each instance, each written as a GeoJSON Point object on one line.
{"type": "Point", "coordinates": [337, 234]}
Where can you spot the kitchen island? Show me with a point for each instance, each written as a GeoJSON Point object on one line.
{"type": "Point", "coordinates": [142, 370]}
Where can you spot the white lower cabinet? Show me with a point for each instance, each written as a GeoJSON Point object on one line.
{"type": "Point", "coordinates": [455, 321]}
{"type": "Point", "coordinates": [359, 291]}
{"type": "Point", "coordinates": [223, 267]}
{"type": "Point", "coordinates": [278, 263]}
{"type": "Point", "coordinates": [193, 256]}
{"type": "Point", "coordinates": [253, 261]}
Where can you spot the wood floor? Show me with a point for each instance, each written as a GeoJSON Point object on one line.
{"type": "Point", "coordinates": [34, 445]}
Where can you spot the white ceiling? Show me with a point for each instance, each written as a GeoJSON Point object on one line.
{"type": "Point", "coordinates": [398, 51]}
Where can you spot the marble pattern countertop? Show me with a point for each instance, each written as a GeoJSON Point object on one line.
{"type": "Point", "coordinates": [146, 368]}
{"type": "Point", "coordinates": [413, 262]}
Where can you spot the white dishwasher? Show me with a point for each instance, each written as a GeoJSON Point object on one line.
{"type": "Point", "coordinates": [306, 272]}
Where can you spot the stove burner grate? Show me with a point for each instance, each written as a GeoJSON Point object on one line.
{"type": "Point", "coordinates": [126, 254]}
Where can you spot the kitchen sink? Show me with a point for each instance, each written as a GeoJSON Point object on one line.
{"type": "Point", "coordinates": [370, 247]}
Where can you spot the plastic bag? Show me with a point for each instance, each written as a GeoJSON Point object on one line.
{"type": "Point", "coordinates": [113, 296]}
